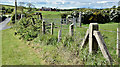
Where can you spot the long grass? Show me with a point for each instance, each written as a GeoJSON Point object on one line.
{"type": "Point", "coordinates": [69, 47]}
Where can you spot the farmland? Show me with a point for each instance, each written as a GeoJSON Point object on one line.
{"type": "Point", "coordinates": [24, 43]}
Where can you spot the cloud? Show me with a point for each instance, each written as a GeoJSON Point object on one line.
{"type": "Point", "coordinates": [102, 1]}
{"type": "Point", "coordinates": [67, 3]}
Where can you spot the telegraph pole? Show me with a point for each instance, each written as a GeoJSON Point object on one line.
{"type": "Point", "coordinates": [15, 10]}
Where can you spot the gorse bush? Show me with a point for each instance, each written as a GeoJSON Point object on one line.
{"type": "Point", "coordinates": [95, 17]}
{"type": "Point", "coordinates": [28, 28]}
{"type": "Point", "coordinates": [99, 16]}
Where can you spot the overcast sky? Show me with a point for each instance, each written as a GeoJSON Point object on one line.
{"type": "Point", "coordinates": [67, 3]}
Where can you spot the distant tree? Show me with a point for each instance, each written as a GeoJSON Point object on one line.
{"type": "Point", "coordinates": [114, 7]}
{"type": "Point", "coordinates": [118, 8]}
{"type": "Point", "coordinates": [30, 6]}
{"type": "Point", "coordinates": [21, 6]}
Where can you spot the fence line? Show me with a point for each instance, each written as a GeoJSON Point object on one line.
{"type": "Point", "coordinates": [73, 20]}
{"type": "Point", "coordinates": [86, 28]}
{"type": "Point", "coordinates": [73, 31]}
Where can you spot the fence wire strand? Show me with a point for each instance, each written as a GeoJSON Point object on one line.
{"type": "Point", "coordinates": [58, 22]}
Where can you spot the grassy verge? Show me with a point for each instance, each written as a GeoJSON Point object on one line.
{"type": "Point", "coordinates": [16, 52]}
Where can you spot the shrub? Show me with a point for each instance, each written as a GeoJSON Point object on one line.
{"type": "Point", "coordinates": [27, 29]}
{"type": "Point", "coordinates": [64, 15]}
{"type": "Point", "coordinates": [95, 17]}
{"type": "Point", "coordinates": [8, 10]}
{"type": "Point", "coordinates": [18, 17]}
{"type": "Point", "coordinates": [3, 8]}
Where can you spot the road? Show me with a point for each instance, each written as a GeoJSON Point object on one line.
{"type": "Point", "coordinates": [3, 25]}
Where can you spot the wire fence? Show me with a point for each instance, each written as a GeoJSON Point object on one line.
{"type": "Point", "coordinates": [109, 33]}
{"type": "Point", "coordinates": [79, 33]}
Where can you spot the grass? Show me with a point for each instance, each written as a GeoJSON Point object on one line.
{"type": "Point", "coordinates": [50, 16]}
{"type": "Point", "coordinates": [16, 52]}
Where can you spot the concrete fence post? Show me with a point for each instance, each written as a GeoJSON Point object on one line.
{"type": "Point", "coordinates": [40, 15]}
{"type": "Point", "coordinates": [95, 38]}
{"type": "Point", "coordinates": [71, 30]}
{"type": "Point", "coordinates": [102, 46]}
{"type": "Point", "coordinates": [80, 19]}
{"type": "Point", "coordinates": [52, 27]}
{"type": "Point", "coordinates": [118, 43]}
{"type": "Point", "coordinates": [43, 27]}
{"type": "Point", "coordinates": [22, 15]}
{"type": "Point", "coordinates": [59, 35]}
{"type": "Point", "coordinates": [93, 45]}
{"type": "Point", "coordinates": [33, 20]}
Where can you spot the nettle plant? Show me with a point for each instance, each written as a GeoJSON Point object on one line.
{"type": "Point", "coordinates": [28, 28]}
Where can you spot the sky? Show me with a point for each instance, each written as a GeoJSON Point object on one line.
{"type": "Point", "coordinates": [67, 4]}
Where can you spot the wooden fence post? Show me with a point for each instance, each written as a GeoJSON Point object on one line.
{"type": "Point", "coordinates": [59, 35]}
{"type": "Point", "coordinates": [80, 19]}
{"type": "Point", "coordinates": [52, 28]}
{"type": "Point", "coordinates": [93, 45]}
{"type": "Point", "coordinates": [118, 43]}
{"type": "Point", "coordinates": [43, 27]}
{"type": "Point", "coordinates": [71, 30]}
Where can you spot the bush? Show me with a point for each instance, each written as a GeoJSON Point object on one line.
{"type": "Point", "coordinates": [114, 15]}
{"type": "Point", "coordinates": [18, 17]}
{"type": "Point", "coordinates": [95, 17]}
{"type": "Point", "coordinates": [3, 8]}
{"type": "Point", "coordinates": [8, 10]}
{"type": "Point", "coordinates": [27, 29]}
{"type": "Point", "coordinates": [12, 10]}
{"type": "Point", "coordinates": [64, 15]}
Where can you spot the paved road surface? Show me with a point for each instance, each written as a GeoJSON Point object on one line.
{"type": "Point", "coordinates": [3, 25]}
